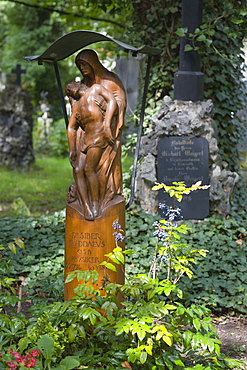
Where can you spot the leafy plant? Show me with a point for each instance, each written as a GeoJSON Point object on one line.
{"type": "Point", "coordinates": [41, 262]}
{"type": "Point", "coordinates": [7, 289]}
{"type": "Point", "coordinates": [28, 360]}
{"type": "Point", "coordinates": [12, 329]}
{"type": "Point", "coordinates": [176, 255]}
{"type": "Point", "coordinates": [152, 329]}
{"type": "Point", "coordinates": [220, 281]}
{"type": "Point", "coordinates": [46, 346]}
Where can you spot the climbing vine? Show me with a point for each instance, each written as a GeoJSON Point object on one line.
{"type": "Point", "coordinates": [220, 42]}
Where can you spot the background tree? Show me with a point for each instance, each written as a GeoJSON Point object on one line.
{"type": "Point", "coordinates": [29, 27]}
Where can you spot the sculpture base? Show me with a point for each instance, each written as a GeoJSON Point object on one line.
{"type": "Point", "coordinates": [87, 242]}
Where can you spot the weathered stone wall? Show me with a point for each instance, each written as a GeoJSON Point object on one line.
{"type": "Point", "coordinates": [16, 147]}
{"type": "Point", "coordinates": [182, 118]}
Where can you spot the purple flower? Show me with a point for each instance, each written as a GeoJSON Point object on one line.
{"type": "Point", "coordinates": [162, 258]}
{"type": "Point", "coordinates": [171, 213]}
{"type": "Point", "coordinates": [161, 234]}
{"type": "Point", "coordinates": [116, 225]}
{"type": "Point", "coordinates": [118, 237]}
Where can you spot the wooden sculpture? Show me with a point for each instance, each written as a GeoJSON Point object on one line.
{"type": "Point", "coordinates": [94, 134]}
{"type": "Point", "coordinates": [94, 202]}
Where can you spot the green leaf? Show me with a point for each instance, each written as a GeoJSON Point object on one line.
{"type": "Point", "coordinates": [168, 339]}
{"type": "Point", "coordinates": [86, 275]}
{"type": "Point", "coordinates": [46, 346]}
{"type": "Point", "coordinates": [119, 255]}
{"type": "Point", "coordinates": [143, 357]}
{"type": "Point", "coordinates": [12, 247]}
{"type": "Point", "coordinates": [179, 363]}
{"type": "Point", "coordinates": [59, 367]}
{"type": "Point", "coordinates": [20, 243]}
{"type": "Point", "coordinates": [201, 38]}
{"type": "Point", "coordinates": [70, 362]}
{"type": "Point", "coordinates": [109, 307]}
{"type": "Point", "coordinates": [71, 332]}
{"type": "Point", "coordinates": [157, 187]}
{"type": "Point", "coordinates": [70, 277]}
{"type": "Point", "coordinates": [182, 31]}
{"type": "Point", "coordinates": [23, 343]}
{"type": "Point", "coordinates": [188, 47]}
{"type": "Point", "coordinates": [237, 20]}
{"type": "Point", "coordinates": [94, 276]}
{"type": "Point", "coordinates": [109, 265]}
{"type": "Point", "coordinates": [196, 323]}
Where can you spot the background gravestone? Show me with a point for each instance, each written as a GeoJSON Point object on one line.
{"type": "Point", "coordinates": [16, 124]}
{"type": "Point", "coordinates": [184, 158]}
{"type": "Point", "coordinates": [184, 118]}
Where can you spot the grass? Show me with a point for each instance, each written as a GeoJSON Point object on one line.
{"type": "Point", "coordinates": [41, 190]}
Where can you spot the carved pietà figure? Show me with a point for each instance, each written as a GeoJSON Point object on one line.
{"type": "Point", "coordinates": [98, 105]}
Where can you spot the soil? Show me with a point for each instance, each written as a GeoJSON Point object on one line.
{"type": "Point", "coordinates": [232, 332]}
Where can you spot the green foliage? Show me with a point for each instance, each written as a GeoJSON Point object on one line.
{"type": "Point", "coordinates": [140, 239]}
{"type": "Point", "coordinates": [37, 30]}
{"type": "Point", "coordinates": [41, 262]}
{"type": "Point", "coordinates": [220, 281]}
{"type": "Point", "coordinates": [28, 28]}
{"type": "Point", "coordinates": [12, 330]}
{"type": "Point", "coordinates": [219, 41]}
{"type": "Point", "coordinates": [58, 139]}
{"type": "Point", "coordinates": [219, 278]}
{"type": "Point", "coordinates": [47, 354]}
{"type": "Point", "coordinates": [178, 189]}
{"type": "Point", "coordinates": [7, 291]}
{"type": "Point", "coordinates": [152, 328]}
{"type": "Point", "coordinates": [43, 326]}
{"type": "Point", "coordinates": [53, 141]}
{"type": "Point", "coordinates": [224, 83]}
{"type": "Point", "coordinates": [149, 19]}
{"type": "Point", "coordinates": [145, 332]}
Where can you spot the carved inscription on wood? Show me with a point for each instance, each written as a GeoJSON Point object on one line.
{"type": "Point", "coordinates": [87, 243]}
{"type": "Point", "coordinates": [86, 251]}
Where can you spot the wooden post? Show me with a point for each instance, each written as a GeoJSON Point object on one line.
{"type": "Point", "coordinates": [87, 242]}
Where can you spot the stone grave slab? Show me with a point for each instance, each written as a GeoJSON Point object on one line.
{"type": "Point", "coordinates": [185, 158]}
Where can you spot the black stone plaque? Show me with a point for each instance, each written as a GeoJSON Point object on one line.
{"type": "Point", "coordinates": [185, 158]}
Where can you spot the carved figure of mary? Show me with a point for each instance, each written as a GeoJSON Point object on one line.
{"type": "Point", "coordinates": [109, 173]}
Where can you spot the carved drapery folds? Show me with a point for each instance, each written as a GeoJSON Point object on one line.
{"type": "Point", "coordinates": [98, 106]}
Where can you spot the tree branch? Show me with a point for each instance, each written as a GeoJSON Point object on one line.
{"type": "Point", "coordinates": [62, 12]}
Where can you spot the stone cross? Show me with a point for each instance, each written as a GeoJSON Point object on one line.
{"type": "Point", "coordinates": [18, 72]}
{"type": "Point", "coordinates": [188, 81]}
